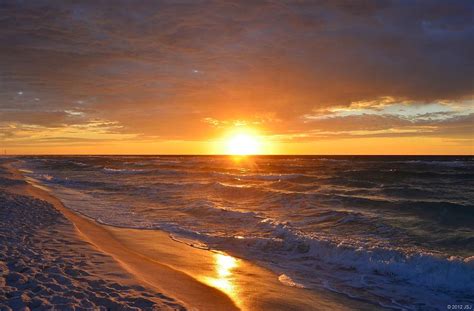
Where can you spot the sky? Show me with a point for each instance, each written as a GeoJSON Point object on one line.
{"type": "Point", "coordinates": [181, 77]}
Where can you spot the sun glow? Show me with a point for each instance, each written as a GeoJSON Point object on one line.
{"type": "Point", "coordinates": [243, 144]}
{"type": "Point", "coordinates": [223, 278]}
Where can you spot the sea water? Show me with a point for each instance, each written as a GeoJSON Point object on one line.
{"type": "Point", "coordinates": [393, 231]}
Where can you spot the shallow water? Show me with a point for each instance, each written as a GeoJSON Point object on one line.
{"type": "Point", "coordinates": [394, 231]}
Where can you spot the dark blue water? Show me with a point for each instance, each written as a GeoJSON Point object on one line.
{"type": "Point", "coordinates": [395, 231]}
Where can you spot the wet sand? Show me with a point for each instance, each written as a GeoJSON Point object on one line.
{"type": "Point", "coordinates": [195, 278]}
{"type": "Point", "coordinates": [44, 265]}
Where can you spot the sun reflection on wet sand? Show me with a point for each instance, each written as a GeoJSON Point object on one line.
{"type": "Point", "coordinates": [223, 278]}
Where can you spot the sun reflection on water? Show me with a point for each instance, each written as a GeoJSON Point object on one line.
{"type": "Point", "coordinates": [223, 279]}
{"type": "Point", "coordinates": [224, 264]}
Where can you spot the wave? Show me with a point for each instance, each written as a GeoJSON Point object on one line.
{"type": "Point", "coordinates": [455, 163]}
{"type": "Point", "coordinates": [110, 170]}
{"type": "Point", "coordinates": [394, 277]}
{"type": "Point", "coordinates": [201, 208]}
{"type": "Point", "coordinates": [346, 264]}
{"type": "Point", "coordinates": [383, 176]}
{"type": "Point", "coordinates": [149, 171]}
{"type": "Point", "coordinates": [265, 177]}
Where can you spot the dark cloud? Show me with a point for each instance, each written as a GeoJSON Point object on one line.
{"type": "Point", "coordinates": [158, 68]}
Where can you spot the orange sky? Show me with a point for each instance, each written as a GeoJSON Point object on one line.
{"type": "Point", "coordinates": [359, 146]}
{"type": "Point", "coordinates": [303, 77]}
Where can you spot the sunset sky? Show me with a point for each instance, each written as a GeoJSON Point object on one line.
{"type": "Point", "coordinates": [172, 77]}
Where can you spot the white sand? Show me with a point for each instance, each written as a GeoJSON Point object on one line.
{"type": "Point", "coordinates": [44, 265]}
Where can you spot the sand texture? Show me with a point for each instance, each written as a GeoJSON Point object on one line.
{"type": "Point", "coordinates": [44, 265]}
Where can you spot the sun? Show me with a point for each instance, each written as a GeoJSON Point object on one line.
{"type": "Point", "coordinates": [243, 144]}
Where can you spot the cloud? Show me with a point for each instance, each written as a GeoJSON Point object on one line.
{"type": "Point", "coordinates": [158, 69]}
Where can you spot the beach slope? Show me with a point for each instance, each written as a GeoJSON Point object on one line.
{"type": "Point", "coordinates": [43, 264]}
{"type": "Point", "coordinates": [46, 261]}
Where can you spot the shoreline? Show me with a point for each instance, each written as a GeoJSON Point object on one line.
{"type": "Point", "coordinates": [198, 279]}
{"type": "Point", "coordinates": [192, 294]}
{"type": "Point", "coordinates": [45, 265]}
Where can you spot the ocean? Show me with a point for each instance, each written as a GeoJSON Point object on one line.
{"type": "Point", "coordinates": [395, 231]}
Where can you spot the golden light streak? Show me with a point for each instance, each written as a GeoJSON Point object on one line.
{"type": "Point", "coordinates": [223, 278]}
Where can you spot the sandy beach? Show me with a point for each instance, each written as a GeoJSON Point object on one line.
{"type": "Point", "coordinates": [51, 257]}
{"type": "Point", "coordinates": [45, 265]}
